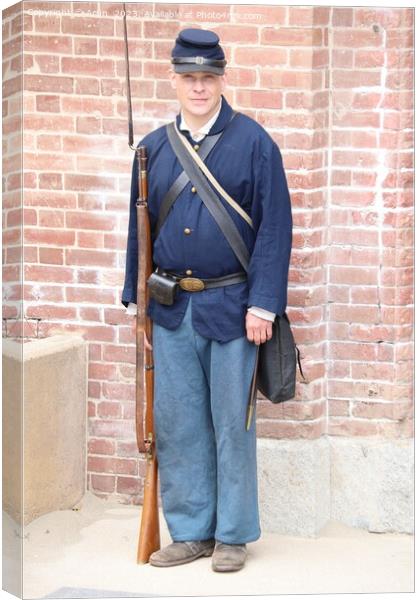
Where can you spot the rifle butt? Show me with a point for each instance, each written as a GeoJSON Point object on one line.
{"type": "Point", "coordinates": [149, 539]}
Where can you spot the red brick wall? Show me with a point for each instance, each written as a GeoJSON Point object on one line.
{"type": "Point", "coordinates": [333, 86]}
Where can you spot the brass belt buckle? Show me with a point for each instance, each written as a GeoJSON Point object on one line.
{"type": "Point", "coordinates": [191, 284]}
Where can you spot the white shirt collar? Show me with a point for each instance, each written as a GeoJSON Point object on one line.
{"type": "Point", "coordinates": [199, 134]}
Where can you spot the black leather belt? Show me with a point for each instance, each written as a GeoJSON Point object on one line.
{"type": "Point", "coordinates": [194, 284]}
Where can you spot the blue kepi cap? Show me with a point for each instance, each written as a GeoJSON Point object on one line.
{"type": "Point", "coordinates": [198, 50]}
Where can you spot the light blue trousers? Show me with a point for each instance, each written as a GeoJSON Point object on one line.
{"type": "Point", "coordinates": [206, 458]}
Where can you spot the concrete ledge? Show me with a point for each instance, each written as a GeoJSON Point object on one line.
{"type": "Point", "coordinates": [366, 483]}
{"type": "Point", "coordinates": [372, 483]}
{"type": "Point", "coordinates": [294, 490]}
{"type": "Point", "coordinates": [54, 424]}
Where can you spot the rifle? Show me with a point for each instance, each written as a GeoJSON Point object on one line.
{"type": "Point", "coordinates": [149, 537]}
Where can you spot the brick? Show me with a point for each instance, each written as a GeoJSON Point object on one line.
{"type": "Point", "coordinates": [369, 59]}
{"type": "Point", "coordinates": [84, 294]}
{"type": "Point", "coordinates": [119, 391]}
{"type": "Point", "coordinates": [356, 38]}
{"type": "Point", "coordinates": [94, 391]}
{"type": "Point", "coordinates": [48, 122]}
{"type": "Point", "coordinates": [301, 16]}
{"type": "Point", "coordinates": [48, 236]}
{"type": "Point", "coordinates": [48, 142]}
{"type": "Point", "coordinates": [85, 46]}
{"type": "Point", "coordinates": [47, 103]}
{"type": "Point", "coordinates": [12, 86]}
{"type": "Point", "coordinates": [50, 181]}
{"type": "Point", "coordinates": [160, 30]}
{"type": "Point", "coordinates": [109, 409]}
{"type": "Point", "coordinates": [118, 429]}
{"type": "Point", "coordinates": [259, 14]}
{"type": "Point", "coordinates": [91, 26]}
{"type": "Point", "coordinates": [353, 78]}
{"type": "Point", "coordinates": [88, 124]}
{"type": "Point", "coordinates": [39, 162]}
{"type": "Point", "coordinates": [287, 429]}
{"type": "Point", "coordinates": [289, 36]}
{"type": "Point", "coordinates": [46, 23]}
{"type": "Point", "coordinates": [342, 17]}
{"type": "Point", "coordinates": [356, 119]}
{"type": "Point", "coordinates": [88, 183]}
{"type": "Point", "coordinates": [353, 350]}
{"type": "Point", "coordinates": [230, 34]}
{"type": "Point", "coordinates": [354, 275]}
{"type": "Point", "coordinates": [338, 408]}
{"type": "Point", "coordinates": [128, 448]}
{"type": "Point", "coordinates": [388, 18]}
{"type": "Point", "coordinates": [104, 464]}
{"type": "Point", "coordinates": [103, 483]}
{"type": "Point", "coordinates": [86, 85]}
{"type": "Point", "coordinates": [119, 354]}
{"type": "Point", "coordinates": [360, 314]}
{"type": "Point", "coordinates": [44, 311]}
{"type": "Point", "coordinates": [129, 485]}
{"type": "Point", "coordinates": [259, 98]}
{"type": "Point", "coordinates": [48, 274]}
{"type": "Point", "coordinates": [85, 106]}
{"type": "Point", "coordinates": [47, 43]}
{"type": "Point", "coordinates": [260, 56]}
{"type": "Point", "coordinates": [90, 314]}
{"type": "Point", "coordinates": [12, 47]}
{"type": "Point", "coordinates": [52, 256]}
{"type": "Point", "coordinates": [272, 78]}
{"type": "Point", "coordinates": [90, 240]}
{"type": "Point", "coordinates": [308, 58]}
{"type": "Point", "coordinates": [88, 66]}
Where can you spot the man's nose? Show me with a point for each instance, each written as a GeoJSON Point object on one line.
{"type": "Point", "coordinates": [198, 85]}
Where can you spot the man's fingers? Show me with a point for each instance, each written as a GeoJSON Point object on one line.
{"type": "Point", "coordinates": [259, 335]}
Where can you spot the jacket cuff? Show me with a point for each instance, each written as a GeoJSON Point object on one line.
{"type": "Point", "coordinates": [270, 303]}
{"type": "Point", "coordinates": [131, 308]}
{"type": "Point", "coordinates": [262, 313]}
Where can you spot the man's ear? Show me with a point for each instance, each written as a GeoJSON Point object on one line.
{"type": "Point", "coordinates": [172, 78]}
{"type": "Point", "coordinates": [224, 81]}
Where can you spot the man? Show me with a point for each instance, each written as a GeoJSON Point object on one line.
{"type": "Point", "coordinates": [205, 343]}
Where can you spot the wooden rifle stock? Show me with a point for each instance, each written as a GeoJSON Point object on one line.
{"type": "Point", "coordinates": [149, 538]}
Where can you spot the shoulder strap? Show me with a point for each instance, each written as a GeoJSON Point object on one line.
{"type": "Point", "coordinates": [176, 188]}
{"type": "Point", "coordinates": [209, 198]}
{"type": "Point", "coordinates": [181, 181]}
{"type": "Point", "coordinates": [214, 181]}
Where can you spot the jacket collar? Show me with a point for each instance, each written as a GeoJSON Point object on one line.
{"type": "Point", "coordinates": [221, 121]}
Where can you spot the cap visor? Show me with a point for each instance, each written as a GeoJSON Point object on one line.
{"type": "Point", "coordinates": [190, 68]}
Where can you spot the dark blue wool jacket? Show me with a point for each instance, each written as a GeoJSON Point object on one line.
{"type": "Point", "coordinates": [248, 164]}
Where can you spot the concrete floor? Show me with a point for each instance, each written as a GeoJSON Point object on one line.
{"type": "Point", "coordinates": [94, 548]}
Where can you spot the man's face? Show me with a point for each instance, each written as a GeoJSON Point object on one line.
{"type": "Point", "coordinates": [198, 92]}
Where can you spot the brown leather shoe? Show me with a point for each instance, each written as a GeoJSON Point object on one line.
{"type": "Point", "coordinates": [179, 553]}
{"type": "Point", "coordinates": [228, 557]}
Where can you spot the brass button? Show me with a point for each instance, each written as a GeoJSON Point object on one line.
{"type": "Point", "coordinates": [193, 190]}
{"type": "Point", "coordinates": [187, 231]}
{"type": "Point", "coordinates": [196, 147]}
{"type": "Point", "coordinates": [188, 272]}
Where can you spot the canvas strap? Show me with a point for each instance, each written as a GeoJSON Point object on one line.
{"type": "Point", "coordinates": [213, 180]}
{"type": "Point", "coordinates": [209, 197]}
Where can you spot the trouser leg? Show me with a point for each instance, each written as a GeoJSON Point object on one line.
{"type": "Point", "coordinates": [232, 367]}
{"type": "Point", "coordinates": [185, 443]}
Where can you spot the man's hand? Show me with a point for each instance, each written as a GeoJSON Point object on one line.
{"type": "Point", "coordinates": [258, 330]}
{"type": "Point", "coordinates": [147, 344]}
